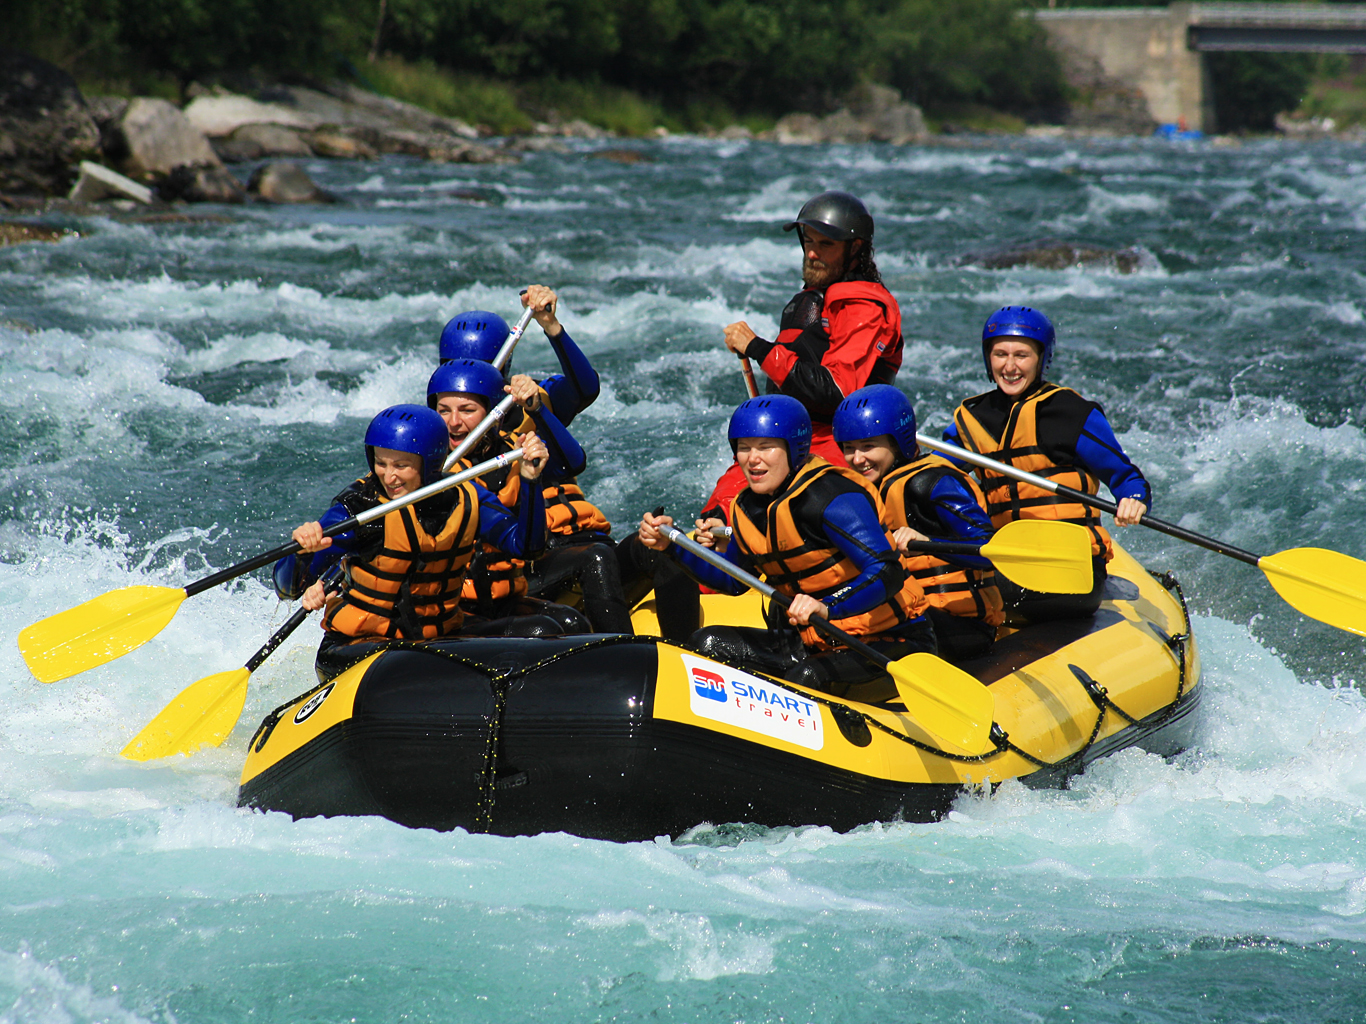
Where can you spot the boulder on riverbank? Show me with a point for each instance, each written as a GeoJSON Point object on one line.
{"type": "Point", "coordinates": [285, 182]}
{"type": "Point", "coordinates": [872, 113]}
{"type": "Point", "coordinates": [46, 129]}
{"type": "Point", "coordinates": [153, 138]}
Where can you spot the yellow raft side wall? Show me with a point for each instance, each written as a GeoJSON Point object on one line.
{"type": "Point", "coordinates": [289, 735]}
{"type": "Point", "coordinates": [1044, 707]}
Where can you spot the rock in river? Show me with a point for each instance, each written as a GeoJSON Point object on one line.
{"type": "Point", "coordinates": [1060, 254]}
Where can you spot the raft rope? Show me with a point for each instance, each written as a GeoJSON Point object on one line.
{"type": "Point", "coordinates": [499, 683]}
{"type": "Point", "coordinates": [1000, 739]}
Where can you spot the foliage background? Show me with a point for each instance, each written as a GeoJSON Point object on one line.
{"type": "Point", "coordinates": [627, 64]}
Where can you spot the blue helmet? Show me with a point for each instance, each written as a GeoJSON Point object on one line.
{"type": "Point", "coordinates": [477, 334]}
{"type": "Point", "coordinates": [779, 416]}
{"type": "Point", "coordinates": [468, 377]}
{"type": "Point", "coordinates": [875, 410]}
{"type": "Point", "coordinates": [1018, 322]}
{"type": "Point", "coordinates": [413, 429]}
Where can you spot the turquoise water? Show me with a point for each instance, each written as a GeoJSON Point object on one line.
{"type": "Point", "coordinates": [180, 395]}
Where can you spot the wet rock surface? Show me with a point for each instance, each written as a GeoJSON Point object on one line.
{"type": "Point", "coordinates": [285, 182]}
{"type": "Point", "coordinates": [1060, 254]}
{"type": "Point", "coordinates": [872, 113]}
{"type": "Point", "coordinates": [46, 130]}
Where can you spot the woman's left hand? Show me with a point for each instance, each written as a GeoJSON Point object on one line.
{"type": "Point", "coordinates": [903, 535]}
{"type": "Point", "coordinates": [804, 606]}
{"type": "Point", "coordinates": [1130, 511]}
{"type": "Point", "coordinates": [526, 391]}
{"type": "Point", "coordinates": [534, 456]}
{"type": "Point", "coordinates": [543, 302]}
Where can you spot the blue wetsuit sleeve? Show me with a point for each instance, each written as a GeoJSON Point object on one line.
{"type": "Point", "coordinates": [951, 437]}
{"type": "Point", "coordinates": [707, 574]}
{"type": "Point", "coordinates": [521, 535]}
{"type": "Point", "coordinates": [577, 386]}
{"type": "Point", "coordinates": [850, 522]}
{"type": "Point", "coordinates": [294, 574]}
{"type": "Point", "coordinates": [567, 459]}
{"type": "Point", "coordinates": [1100, 454]}
{"type": "Point", "coordinates": [963, 520]}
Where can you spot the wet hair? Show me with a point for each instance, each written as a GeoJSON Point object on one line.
{"type": "Point", "coordinates": [861, 265]}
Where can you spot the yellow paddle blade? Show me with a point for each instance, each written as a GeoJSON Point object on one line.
{"type": "Point", "coordinates": [98, 631]}
{"type": "Point", "coordinates": [1325, 585]}
{"type": "Point", "coordinates": [203, 713]}
{"type": "Point", "coordinates": [1043, 555]}
{"type": "Point", "coordinates": [946, 701]}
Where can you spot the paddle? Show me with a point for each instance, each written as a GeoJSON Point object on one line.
{"type": "Point", "coordinates": [206, 712]}
{"type": "Point", "coordinates": [120, 621]}
{"type": "Point", "coordinates": [1047, 556]}
{"type": "Point", "coordinates": [504, 355]}
{"type": "Point", "coordinates": [1322, 584]}
{"type": "Point", "coordinates": [494, 417]}
{"type": "Point", "coordinates": [950, 704]}
{"type": "Point", "coordinates": [750, 384]}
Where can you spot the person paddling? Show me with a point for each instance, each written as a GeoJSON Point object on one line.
{"type": "Point", "coordinates": [495, 592]}
{"type": "Point", "coordinates": [479, 334]}
{"type": "Point", "coordinates": [813, 530]}
{"type": "Point", "coordinates": [581, 549]}
{"type": "Point", "coordinates": [1051, 431]}
{"type": "Point", "coordinates": [841, 332]}
{"type": "Point", "coordinates": [404, 573]}
{"type": "Point", "coordinates": [925, 498]}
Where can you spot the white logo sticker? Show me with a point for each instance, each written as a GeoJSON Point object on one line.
{"type": "Point", "coordinates": [313, 704]}
{"type": "Point", "coordinates": [737, 698]}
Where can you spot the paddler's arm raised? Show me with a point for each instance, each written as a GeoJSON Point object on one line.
{"type": "Point", "coordinates": [567, 457]}
{"type": "Point", "coordinates": [294, 574]}
{"type": "Point", "coordinates": [521, 535]}
{"type": "Point", "coordinates": [577, 386]}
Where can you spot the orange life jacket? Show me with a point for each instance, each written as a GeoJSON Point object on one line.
{"type": "Point", "coordinates": [410, 588]}
{"type": "Point", "coordinates": [1009, 499]}
{"type": "Point", "coordinates": [784, 551]}
{"type": "Point", "coordinates": [971, 593]}
{"type": "Point", "coordinates": [493, 574]}
{"type": "Point", "coordinates": [567, 511]}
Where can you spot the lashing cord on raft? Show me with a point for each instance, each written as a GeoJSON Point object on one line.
{"type": "Point", "coordinates": [1000, 738]}
{"type": "Point", "coordinates": [499, 683]}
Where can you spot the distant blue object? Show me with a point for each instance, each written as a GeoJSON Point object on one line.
{"type": "Point", "coordinates": [477, 334]}
{"type": "Point", "coordinates": [876, 410]}
{"type": "Point", "coordinates": [779, 416]}
{"type": "Point", "coordinates": [1177, 133]}
{"type": "Point", "coordinates": [414, 429]}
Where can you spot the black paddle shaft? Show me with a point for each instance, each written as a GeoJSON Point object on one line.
{"type": "Point", "coordinates": [255, 562]}
{"type": "Point", "coordinates": [944, 547]}
{"type": "Point", "coordinates": [823, 625]}
{"type": "Point", "coordinates": [820, 624]}
{"type": "Point", "coordinates": [331, 583]}
{"type": "Point", "coordinates": [1161, 526]}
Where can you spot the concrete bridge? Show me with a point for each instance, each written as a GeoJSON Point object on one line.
{"type": "Point", "coordinates": [1160, 52]}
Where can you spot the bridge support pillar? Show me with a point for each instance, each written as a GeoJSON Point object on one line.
{"type": "Point", "coordinates": [1143, 48]}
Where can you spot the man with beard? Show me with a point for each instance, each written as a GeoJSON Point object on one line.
{"type": "Point", "coordinates": [841, 332]}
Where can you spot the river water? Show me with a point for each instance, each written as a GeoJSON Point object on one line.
{"type": "Point", "coordinates": [179, 395]}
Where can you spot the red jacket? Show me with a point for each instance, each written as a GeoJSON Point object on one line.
{"type": "Point", "coordinates": [826, 351]}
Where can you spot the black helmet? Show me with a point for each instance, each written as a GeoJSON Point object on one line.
{"type": "Point", "coordinates": [836, 215]}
